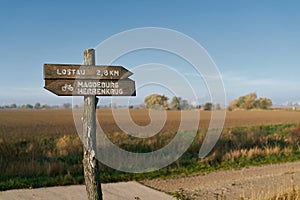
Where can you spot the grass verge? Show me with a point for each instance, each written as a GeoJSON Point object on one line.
{"type": "Point", "coordinates": [45, 161]}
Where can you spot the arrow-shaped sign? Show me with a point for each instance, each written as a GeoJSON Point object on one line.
{"type": "Point", "coordinates": [79, 87]}
{"type": "Point", "coordinates": [61, 71]}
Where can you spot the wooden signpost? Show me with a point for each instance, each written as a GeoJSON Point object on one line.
{"type": "Point", "coordinates": [82, 80]}
{"type": "Point", "coordinates": [89, 80]}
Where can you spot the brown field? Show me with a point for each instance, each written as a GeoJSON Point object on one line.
{"type": "Point", "coordinates": [59, 122]}
{"type": "Point", "coordinates": [40, 148]}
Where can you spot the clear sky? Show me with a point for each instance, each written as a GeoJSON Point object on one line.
{"type": "Point", "coordinates": [255, 44]}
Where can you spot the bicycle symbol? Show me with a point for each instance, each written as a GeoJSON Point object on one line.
{"type": "Point", "coordinates": [66, 87]}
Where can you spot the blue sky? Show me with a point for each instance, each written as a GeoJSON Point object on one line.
{"type": "Point", "coordinates": [255, 44]}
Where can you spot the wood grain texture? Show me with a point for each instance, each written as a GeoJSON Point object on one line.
{"type": "Point", "coordinates": [90, 164]}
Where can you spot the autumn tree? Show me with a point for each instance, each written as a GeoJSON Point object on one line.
{"type": "Point", "coordinates": [250, 101]}
{"type": "Point", "coordinates": [156, 101]}
{"type": "Point", "coordinates": [233, 104]}
{"type": "Point", "coordinates": [264, 103]}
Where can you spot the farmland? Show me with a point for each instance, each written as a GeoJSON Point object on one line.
{"type": "Point", "coordinates": [17, 124]}
{"type": "Point", "coordinates": [42, 148]}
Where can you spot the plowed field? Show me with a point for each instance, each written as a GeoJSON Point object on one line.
{"type": "Point", "coordinates": [58, 122]}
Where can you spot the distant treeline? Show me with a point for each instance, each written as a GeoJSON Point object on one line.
{"type": "Point", "coordinates": [35, 106]}
{"type": "Point", "coordinates": [247, 102]}
{"type": "Point", "coordinates": [161, 102]}
{"type": "Point", "coordinates": [153, 101]}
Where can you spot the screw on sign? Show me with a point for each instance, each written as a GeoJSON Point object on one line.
{"type": "Point", "coordinates": [89, 80]}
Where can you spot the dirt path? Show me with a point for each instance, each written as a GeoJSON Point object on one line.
{"type": "Point", "coordinates": [251, 183]}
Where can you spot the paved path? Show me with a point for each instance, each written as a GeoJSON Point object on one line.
{"type": "Point", "coordinates": [111, 191]}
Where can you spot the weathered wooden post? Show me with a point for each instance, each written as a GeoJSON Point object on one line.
{"type": "Point", "coordinates": [92, 81]}
{"type": "Point", "coordinates": [90, 163]}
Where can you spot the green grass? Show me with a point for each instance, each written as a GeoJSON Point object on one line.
{"type": "Point", "coordinates": [45, 161]}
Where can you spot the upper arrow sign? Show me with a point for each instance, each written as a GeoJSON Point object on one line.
{"type": "Point", "coordinates": [61, 71]}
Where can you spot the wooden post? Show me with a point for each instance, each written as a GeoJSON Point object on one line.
{"type": "Point", "coordinates": [90, 164]}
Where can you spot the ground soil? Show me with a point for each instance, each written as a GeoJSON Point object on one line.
{"type": "Point", "coordinates": [16, 124]}
{"type": "Point", "coordinates": [258, 182]}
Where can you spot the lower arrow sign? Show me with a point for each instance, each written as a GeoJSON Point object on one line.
{"type": "Point", "coordinates": [65, 87]}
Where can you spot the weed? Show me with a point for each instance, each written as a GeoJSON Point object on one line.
{"type": "Point", "coordinates": [181, 195]}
